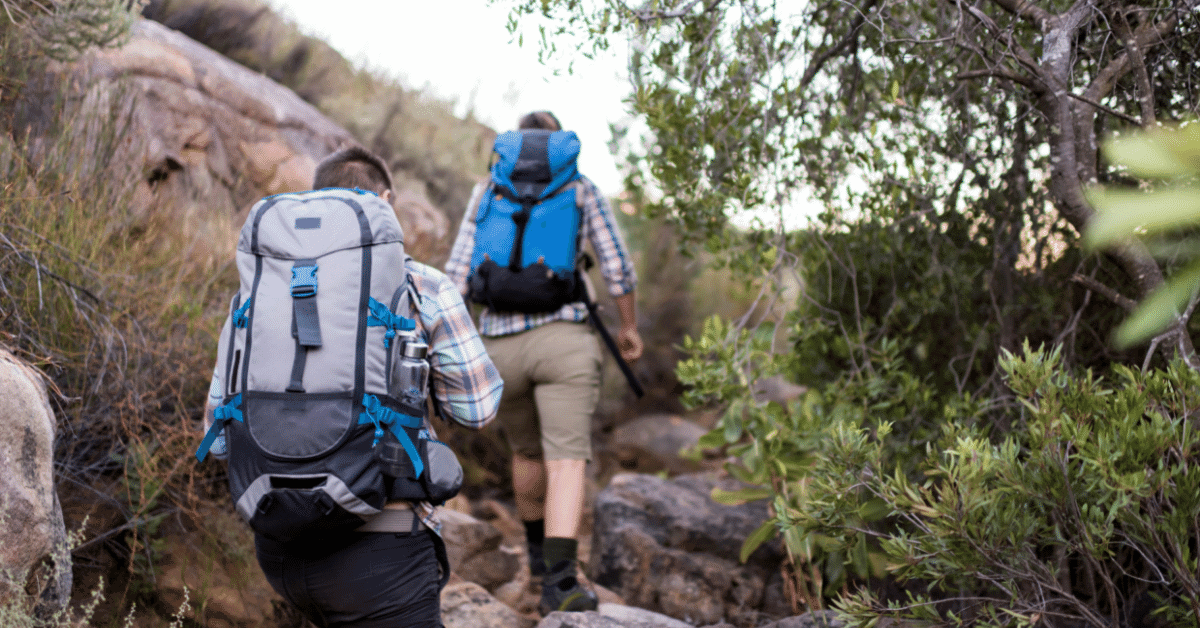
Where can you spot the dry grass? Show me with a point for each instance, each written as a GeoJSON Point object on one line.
{"type": "Point", "coordinates": [113, 306]}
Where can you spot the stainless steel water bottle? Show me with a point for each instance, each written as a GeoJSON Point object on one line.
{"type": "Point", "coordinates": [409, 384]}
{"type": "Point", "coordinates": [410, 372]}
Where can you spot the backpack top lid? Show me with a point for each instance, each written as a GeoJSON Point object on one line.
{"type": "Point", "coordinates": [533, 164]}
{"type": "Point", "coordinates": [317, 222]}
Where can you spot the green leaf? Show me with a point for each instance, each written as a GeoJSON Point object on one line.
{"type": "Point", "coordinates": [874, 509]}
{"type": "Point", "coordinates": [733, 422]}
{"type": "Point", "coordinates": [1122, 214]}
{"type": "Point", "coordinates": [1159, 310]}
{"type": "Point", "coordinates": [764, 532]}
{"type": "Point", "coordinates": [739, 497]}
{"type": "Point", "coordinates": [860, 557]}
{"type": "Point", "coordinates": [797, 543]}
{"type": "Point", "coordinates": [1150, 154]}
{"type": "Point", "coordinates": [713, 439]}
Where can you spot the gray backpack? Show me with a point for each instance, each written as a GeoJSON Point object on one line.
{"type": "Point", "coordinates": [306, 354]}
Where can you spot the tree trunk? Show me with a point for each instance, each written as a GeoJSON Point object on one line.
{"type": "Point", "coordinates": [1074, 147]}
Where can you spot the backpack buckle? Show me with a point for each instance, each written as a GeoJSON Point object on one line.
{"type": "Point", "coordinates": [304, 281]}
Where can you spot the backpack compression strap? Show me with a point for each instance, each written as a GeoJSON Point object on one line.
{"type": "Point", "coordinates": [306, 323]}
{"type": "Point", "coordinates": [375, 412]}
{"type": "Point", "coordinates": [222, 414]}
{"type": "Point", "coordinates": [381, 316]}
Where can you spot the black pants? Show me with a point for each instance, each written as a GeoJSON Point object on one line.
{"type": "Point", "coordinates": [363, 580]}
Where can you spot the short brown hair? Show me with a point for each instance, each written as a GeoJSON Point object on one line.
{"type": "Point", "coordinates": [353, 167]}
{"type": "Point", "coordinates": [539, 120]}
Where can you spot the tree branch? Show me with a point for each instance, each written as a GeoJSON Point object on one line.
{"type": "Point", "coordinates": [1015, 49]}
{"type": "Point", "coordinates": [1146, 34]}
{"type": "Point", "coordinates": [1025, 10]}
{"type": "Point", "coordinates": [1090, 283]}
{"type": "Point", "coordinates": [1145, 89]}
{"type": "Point", "coordinates": [998, 73]}
{"type": "Point", "coordinates": [671, 14]}
{"type": "Point", "coordinates": [820, 60]}
{"type": "Point", "coordinates": [1109, 110]}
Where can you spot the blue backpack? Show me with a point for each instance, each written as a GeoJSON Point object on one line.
{"type": "Point", "coordinates": [527, 225]}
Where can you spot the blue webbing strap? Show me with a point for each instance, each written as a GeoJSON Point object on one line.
{"type": "Point", "coordinates": [306, 324]}
{"type": "Point", "coordinates": [222, 414]}
{"type": "Point", "coordinates": [375, 412]}
{"type": "Point", "coordinates": [381, 316]}
{"type": "Point", "coordinates": [240, 316]}
{"type": "Point", "coordinates": [304, 303]}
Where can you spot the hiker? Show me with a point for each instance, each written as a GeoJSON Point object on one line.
{"type": "Point", "coordinates": [369, 554]}
{"type": "Point", "coordinates": [516, 254]}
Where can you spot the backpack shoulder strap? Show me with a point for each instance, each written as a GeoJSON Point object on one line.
{"type": "Point", "coordinates": [406, 299]}
{"type": "Point", "coordinates": [478, 205]}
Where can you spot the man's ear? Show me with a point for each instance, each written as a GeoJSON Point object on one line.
{"type": "Point", "coordinates": [387, 195]}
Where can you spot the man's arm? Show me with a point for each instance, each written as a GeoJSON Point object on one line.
{"type": "Point", "coordinates": [616, 266]}
{"type": "Point", "coordinates": [464, 383]}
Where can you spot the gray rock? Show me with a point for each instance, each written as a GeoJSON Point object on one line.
{"type": "Point", "coordinates": [815, 619]}
{"type": "Point", "coordinates": [634, 616]}
{"type": "Point", "coordinates": [468, 605]}
{"type": "Point", "coordinates": [664, 545]}
{"type": "Point", "coordinates": [209, 132]}
{"type": "Point", "coordinates": [589, 619]}
{"type": "Point", "coordinates": [466, 536]}
{"type": "Point", "coordinates": [491, 569]}
{"type": "Point", "coordinates": [33, 540]}
{"type": "Point", "coordinates": [653, 443]}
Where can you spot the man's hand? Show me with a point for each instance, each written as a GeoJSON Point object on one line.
{"type": "Point", "coordinates": [629, 341]}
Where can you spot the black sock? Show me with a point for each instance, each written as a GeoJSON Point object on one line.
{"type": "Point", "coordinates": [535, 532]}
{"type": "Point", "coordinates": [558, 550]}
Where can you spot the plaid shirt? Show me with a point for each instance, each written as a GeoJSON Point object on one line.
{"type": "Point", "coordinates": [598, 227]}
{"type": "Point", "coordinates": [464, 383]}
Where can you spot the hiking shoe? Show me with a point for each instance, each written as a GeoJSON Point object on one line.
{"type": "Point", "coordinates": [561, 591]}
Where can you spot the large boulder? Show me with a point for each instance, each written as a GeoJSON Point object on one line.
{"type": "Point", "coordinates": [206, 134]}
{"type": "Point", "coordinates": [655, 442]}
{"type": "Point", "coordinates": [475, 550]}
{"type": "Point", "coordinates": [666, 546]}
{"type": "Point", "coordinates": [468, 605]}
{"type": "Point", "coordinates": [34, 556]}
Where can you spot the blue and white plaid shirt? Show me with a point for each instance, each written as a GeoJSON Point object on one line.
{"type": "Point", "coordinates": [464, 383]}
{"type": "Point", "coordinates": [598, 227]}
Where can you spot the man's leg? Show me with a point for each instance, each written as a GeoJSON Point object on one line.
{"type": "Point", "coordinates": [564, 497]}
{"type": "Point", "coordinates": [529, 492]}
{"type": "Point", "coordinates": [553, 513]}
{"type": "Point", "coordinates": [529, 487]}
{"type": "Point", "coordinates": [518, 417]}
{"type": "Point", "coordinates": [372, 580]}
{"type": "Point", "coordinates": [567, 388]}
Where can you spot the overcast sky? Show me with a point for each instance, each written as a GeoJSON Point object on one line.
{"type": "Point", "coordinates": [460, 49]}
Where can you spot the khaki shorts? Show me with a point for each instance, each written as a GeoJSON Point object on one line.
{"type": "Point", "coordinates": [551, 379]}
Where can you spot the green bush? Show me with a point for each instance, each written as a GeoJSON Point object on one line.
{"type": "Point", "coordinates": [1086, 512]}
{"type": "Point", "coordinates": [898, 340]}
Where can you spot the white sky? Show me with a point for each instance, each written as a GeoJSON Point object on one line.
{"type": "Point", "coordinates": [459, 49]}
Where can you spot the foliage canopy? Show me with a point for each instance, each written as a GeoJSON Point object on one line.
{"type": "Point", "coordinates": [952, 146]}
